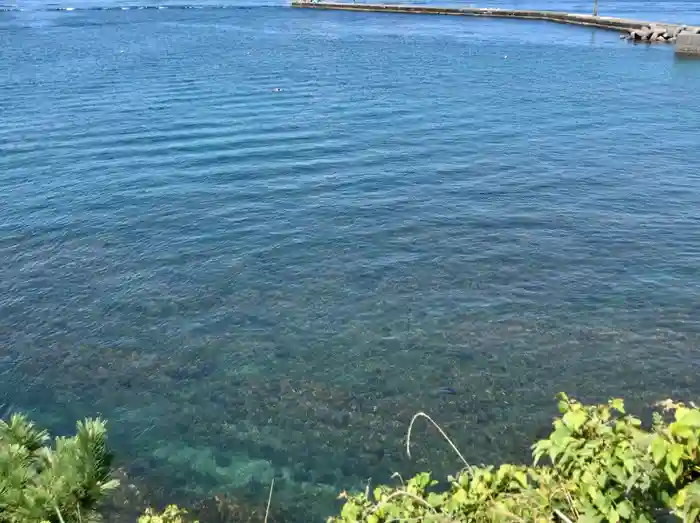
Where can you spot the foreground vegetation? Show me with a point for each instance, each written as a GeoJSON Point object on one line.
{"type": "Point", "coordinates": [599, 464]}
{"type": "Point", "coordinates": [59, 483]}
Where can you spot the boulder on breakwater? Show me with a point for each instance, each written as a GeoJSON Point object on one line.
{"type": "Point", "coordinates": [659, 33]}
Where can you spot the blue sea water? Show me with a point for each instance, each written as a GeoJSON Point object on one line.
{"type": "Point", "coordinates": [258, 239]}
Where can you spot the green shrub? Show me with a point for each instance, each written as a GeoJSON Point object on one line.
{"type": "Point", "coordinates": [39, 483]}
{"type": "Point", "coordinates": [599, 464]}
{"type": "Point", "coordinates": [171, 514]}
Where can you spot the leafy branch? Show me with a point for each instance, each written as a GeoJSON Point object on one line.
{"type": "Point", "coordinates": [599, 464]}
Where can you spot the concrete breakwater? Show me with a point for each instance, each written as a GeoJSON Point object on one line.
{"type": "Point", "coordinates": [634, 30]}
{"type": "Point", "coordinates": [664, 33]}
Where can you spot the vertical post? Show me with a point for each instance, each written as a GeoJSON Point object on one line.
{"type": "Point", "coordinates": [595, 8]}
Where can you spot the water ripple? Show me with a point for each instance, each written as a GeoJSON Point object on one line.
{"type": "Point", "coordinates": [262, 239]}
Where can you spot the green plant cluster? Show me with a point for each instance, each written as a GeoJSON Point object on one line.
{"type": "Point", "coordinates": [599, 464]}
{"type": "Point", "coordinates": [171, 514]}
{"type": "Point", "coordinates": [59, 484]}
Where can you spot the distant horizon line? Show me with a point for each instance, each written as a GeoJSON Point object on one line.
{"type": "Point", "coordinates": [137, 7]}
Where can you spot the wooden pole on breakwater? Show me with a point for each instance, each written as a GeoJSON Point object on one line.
{"type": "Point", "coordinates": [636, 30]}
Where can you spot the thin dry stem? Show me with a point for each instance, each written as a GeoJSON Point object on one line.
{"type": "Point", "coordinates": [442, 432]}
{"type": "Point", "coordinates": [564, 518]}
{"type": "Point", "coordinates": [571, 503]}
{"type": "Point", "coordinates": [397, 475]}
{"type": "Point", "coordinates": [269, 499]}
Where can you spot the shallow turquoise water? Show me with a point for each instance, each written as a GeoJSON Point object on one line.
{"type": "Point", "coordinates": [259, 239]}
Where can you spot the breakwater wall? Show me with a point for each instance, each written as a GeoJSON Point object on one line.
{"type": "Point", "coordinates": [635, 30]}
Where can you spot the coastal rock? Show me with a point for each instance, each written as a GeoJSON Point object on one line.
{"type": "Point", "coordinates": [644, 34]}
{"type": "Point", "coordinates": [679, 30]}
{"type": "Point", "coordinates": [658, 30]}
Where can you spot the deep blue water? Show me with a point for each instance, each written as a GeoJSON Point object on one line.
{"type": "Point", "coordinates": [258, 240]}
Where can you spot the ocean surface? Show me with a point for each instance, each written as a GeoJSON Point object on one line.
{"type": "Point", "coordinates": [258, 239]}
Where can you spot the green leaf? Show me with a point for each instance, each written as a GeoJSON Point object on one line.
{"type": "Point", "coordinates": [681, 431]}
{"type": "Point", "coordinates": [560, 435]}
{"type": "Point", "coordinates": [689, 417]}
{"type": "Point", "coordinates": [671, 473]}
{"type": "Point", "coordinates": [574, 419]}
{"type": "Point", "coordinates": [435, 500]}
{"type": "Point", "coordinates": [658, 449]}
{"type": "Point", "coordinates": [624, 508]}
{"type": "Point", "coordinates": [618, 404]}
{"type": "Point", "coordinates": [590, 518]}
{"type": "Point", "coordinates": [601, 502]}
{"type": "Point", "coordinates": [460, 497]}
{"type": "Point", "coordinates": [420, 481]}
{"type": "Point", "coordinates": [666, 498]}
{"type": "Point", "coordinates": [350, 512]}
{"type": "Point", "coordinates": [602, 478]}
{"type": "Point", "coordinates": [674, 453]}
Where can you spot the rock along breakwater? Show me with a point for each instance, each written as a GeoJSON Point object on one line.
{"type": "Point", "coordinates": [633, 30]}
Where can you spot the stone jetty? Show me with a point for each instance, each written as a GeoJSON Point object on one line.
{"type": "Point", "coordinates": [686, 38]}
{"type": "Point", "coordinates": [663, 33]}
